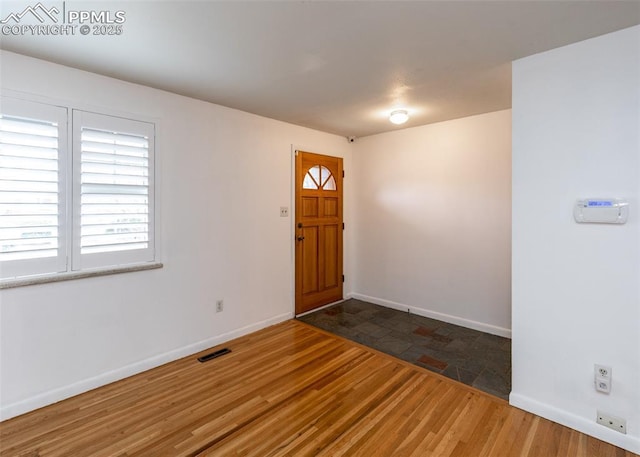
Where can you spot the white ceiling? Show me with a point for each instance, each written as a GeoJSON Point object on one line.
{"type": "Point", "coordinates": [340, 67]}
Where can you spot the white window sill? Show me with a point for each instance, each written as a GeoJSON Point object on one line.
{"type": "Point", "coordinates": [34, 280]}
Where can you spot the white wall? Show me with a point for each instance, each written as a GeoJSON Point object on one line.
{"type": "Point", "coordinates": [224, 175]}
{"type": "Point", "coordinates": [576, 295]}
{"type": "Point", "coordinates": [433, 220]}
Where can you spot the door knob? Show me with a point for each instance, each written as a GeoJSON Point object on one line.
{"type": "Point", "coordinates": [300, 238]}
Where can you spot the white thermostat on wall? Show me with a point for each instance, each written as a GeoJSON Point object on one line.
{"type": "Point", "coordinates": [601, 211]}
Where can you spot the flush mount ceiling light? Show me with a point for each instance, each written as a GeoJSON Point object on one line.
{"type": "Point", "coordinates": [399, 116]}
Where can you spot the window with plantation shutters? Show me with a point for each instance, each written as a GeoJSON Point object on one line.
{"type": "Point", "coordinates": [72, 207]}
{"type": "Point", "coordinates": [32, 193]}
{"type": "Point", "coordinates": [113, 189]}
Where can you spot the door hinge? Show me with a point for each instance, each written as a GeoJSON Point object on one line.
{"type": "Point", "coordinates": [343, 173]}
{"type": "Point", "coordinates": [343, 226]}
{"type": "Point", "coordinates": [342, 278]}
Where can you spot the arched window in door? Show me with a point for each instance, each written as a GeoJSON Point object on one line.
{"type": "Point", "coordinates": [319, 177]}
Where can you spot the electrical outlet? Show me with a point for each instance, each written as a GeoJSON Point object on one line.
{"type": "Point", "coordinates": [602, 372]}
{"type": "Point", "coordinates": [602, 378]}
{"type": "Point", "coordinates": [219, 306]}
{"type": "Point", "coordinates": [284, 211]}
{"type": "Point", "coordinates": [603, 385]}
{"type": "Point", "coordinates": [614, 423]}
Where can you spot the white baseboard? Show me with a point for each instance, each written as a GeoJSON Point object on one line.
{"type": "Point", "coordinates": [579, 423]}
{"type": "Point", "coordinates": [56, 395]}
{"type": "Point", "coordinates": [481, 326]}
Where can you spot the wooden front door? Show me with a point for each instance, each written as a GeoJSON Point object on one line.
{"type": "Point", "coordinates": [318, 230]}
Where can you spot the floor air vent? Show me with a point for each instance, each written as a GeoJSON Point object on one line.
{"type": "Point", "coordinates": [213, 355]}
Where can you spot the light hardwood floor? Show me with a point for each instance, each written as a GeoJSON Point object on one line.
{"type": "Point", "coordinates": [290, 390]}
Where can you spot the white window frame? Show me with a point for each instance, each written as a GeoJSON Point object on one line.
{"type": "Point", "coordinates": [44, 112]}
{"type": "Point", "coordinates": [116, 124]}
{"type": "Point", "coordinates": [70, 264]}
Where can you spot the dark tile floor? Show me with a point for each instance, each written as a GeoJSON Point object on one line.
{"type": "Point", "coordinates": [478, 359]}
